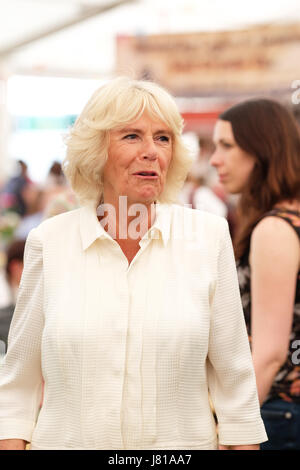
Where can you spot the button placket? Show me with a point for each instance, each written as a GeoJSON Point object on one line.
{"type": "Point", "coordinates": [115, 296]}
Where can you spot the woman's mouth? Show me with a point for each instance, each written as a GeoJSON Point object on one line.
{"type": "Point", "coordinates": [222, 178]}
{"type": "Point", "coordinates": [146, 175]}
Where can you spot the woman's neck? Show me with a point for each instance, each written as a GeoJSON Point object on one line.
{"type": "Point", "coordinates": [126, 223]}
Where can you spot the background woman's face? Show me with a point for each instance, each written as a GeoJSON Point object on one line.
{"type": "Point", "coordinates": [233, 164]}
{"type": "Point", "coordinates": [139, 156]}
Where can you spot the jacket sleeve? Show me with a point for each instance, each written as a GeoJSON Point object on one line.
{"type": "Point", "coordinates": [20, 370]}
{"type": "Point", "coordinates": [230, 371]}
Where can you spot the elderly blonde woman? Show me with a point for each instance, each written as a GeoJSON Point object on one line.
{"type": "Point", "coordinates": [129, 306]}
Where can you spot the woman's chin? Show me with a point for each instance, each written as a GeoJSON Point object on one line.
{"type": "Point", "coordinates": [147, 196]}
{"type": "Point", "coordinates": [231, 188]}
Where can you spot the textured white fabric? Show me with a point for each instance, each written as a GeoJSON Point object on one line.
{"type": "Point", "coordinates": [128, 353]}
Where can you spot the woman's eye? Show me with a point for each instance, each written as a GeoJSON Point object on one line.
{"type": "Point", "coordinates": [227, 146]}
{"type": "Point", "coordinates": [130, 136]}
{"type": "Point", "coordinates": [164, 138]}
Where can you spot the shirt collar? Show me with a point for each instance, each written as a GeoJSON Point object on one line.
{"type": "Point", "coordinates": [91, 229]}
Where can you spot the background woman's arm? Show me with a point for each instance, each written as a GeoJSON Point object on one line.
{"type": "Point", "coordinates": [245, 447]}
{"type": "Point", "coordinates": [274, 261]}
{"type": "Point", "coordinates": [12, 444]}
{"type": "Point", "coordinates": [230, 372]}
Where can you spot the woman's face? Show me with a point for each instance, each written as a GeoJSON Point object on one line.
{"type": "Point", "coordinates": [139, 155]}
{"type": "Point", "coordinates": [233, 164]}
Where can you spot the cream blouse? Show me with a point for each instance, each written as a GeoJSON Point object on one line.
{"type": "Point", "coordinates": [131, 355]}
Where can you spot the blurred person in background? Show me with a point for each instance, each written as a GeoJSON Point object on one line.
{"type": "Point", "coordinates": [11, 195]}
{"type": "Point", "coordinates": [202, 197]}
{"type": "Point", "coordinates": [34, 197]}
{"type": "Point", "coordinates": [55, 183]}
{"type": "Point", "coordinates": [13, 269]}
{"type": "Point", "coordinates": [258, 156]}
{"type": "Point", "coordinates": [132, 332]}
{"type": "Point", "coordinates": [197, 191]}
{"type": "Point", "coordinates": [59, 197]}
{"type": "Point", "coordinates": [63, 202]}
{"type": "Point", "coordinates": [206, 149]}
{"type": "Point", "coordinates": [56, 177]}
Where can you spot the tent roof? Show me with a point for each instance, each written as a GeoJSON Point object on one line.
{"type": "Point", "coordinates": [77, 37]}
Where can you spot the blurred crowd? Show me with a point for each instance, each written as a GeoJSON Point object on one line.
{"type": "Point", "coordinates": [23, 205]}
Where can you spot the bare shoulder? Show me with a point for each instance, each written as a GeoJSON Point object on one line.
{"type": "Point", "coordinates": [274, 236]}
{"type": "Point", "coordinates": [274, 229]}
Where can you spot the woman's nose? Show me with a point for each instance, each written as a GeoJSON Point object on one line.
{"type": "Point", "coordinates": [215, 159]}
{"type": "Point", "coordinates": [149, 150]}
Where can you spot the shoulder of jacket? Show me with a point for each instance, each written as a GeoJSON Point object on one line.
{"type": "Point", "coordinates": [197, 224]}
{"type": "Point", "coordinates": [58, 223]}
{"type": "Point", "coordinates": [198, 214]}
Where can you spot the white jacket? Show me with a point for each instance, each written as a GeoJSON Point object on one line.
{"type": "Point", "coordinates": [131, 356]}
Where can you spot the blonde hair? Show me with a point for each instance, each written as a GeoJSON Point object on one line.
{"type": "Point", "coordinates": [122, 100]}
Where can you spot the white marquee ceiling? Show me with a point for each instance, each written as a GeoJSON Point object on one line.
{"type": "Point", "coordinates": [75, 38]}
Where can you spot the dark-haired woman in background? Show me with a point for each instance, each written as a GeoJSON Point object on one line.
{"type": "Point", "coordinates": [258, 156]}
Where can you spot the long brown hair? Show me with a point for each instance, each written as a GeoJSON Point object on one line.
{"type": "Point", "coordinates": [267, 130]}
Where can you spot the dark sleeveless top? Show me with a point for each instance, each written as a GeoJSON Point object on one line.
{"type": "Point", "coordinates": [286, 385]}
